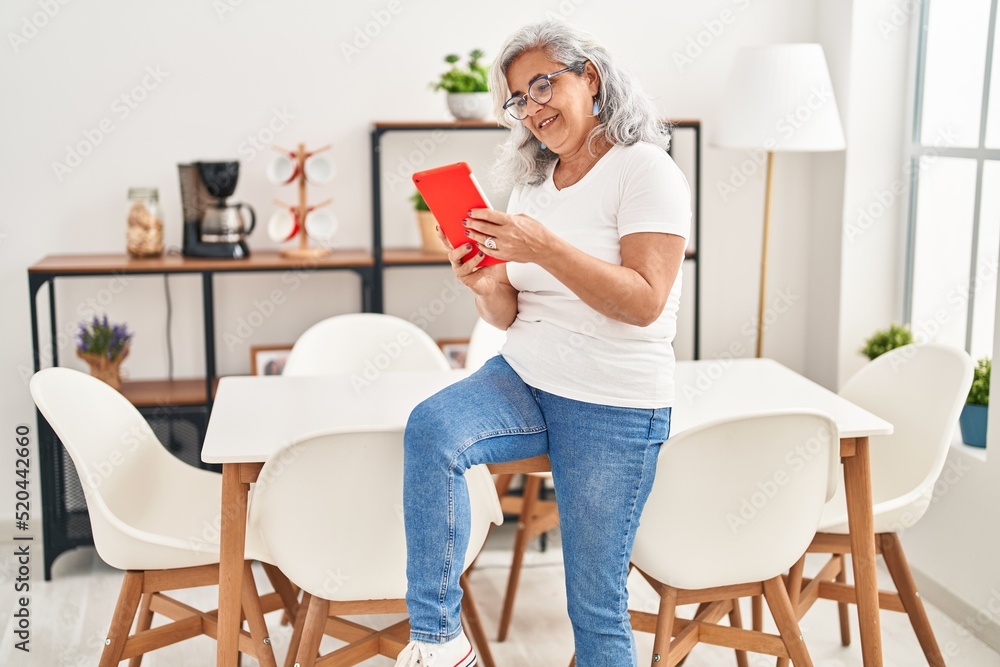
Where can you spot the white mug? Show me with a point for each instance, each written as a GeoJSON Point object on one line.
{"type": "Point", "coordinates": [282, 169]}
{"type": "Point", "coordinates": [283, 225]}
{"type": "Point", "coordinates": [321, 225]}
{"type": "Point", "coordinates": [320, 169]}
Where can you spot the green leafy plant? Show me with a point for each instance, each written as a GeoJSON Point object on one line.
{"type": "Point", "coordinates": [473, 78]}
{"type": "Point", "coordinates": [886, 339]}
{"type": "Point", "coordinates": [103, 339]}
{"type": "Point", "coordinates": [979, 394]}
{"type": "Point", "coordinates": [418, 202]}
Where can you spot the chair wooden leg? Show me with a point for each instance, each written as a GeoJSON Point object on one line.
{"type": "Point", "coordinates": [255, 619]}
{"type": "Point", "coordinates": [736, 621]}
{"type": "Point", "coordinates": [288, 591]}
{"type": "Point", "coordinates": [842, 607]}
{"type": "Point", "coordinates": [472, 621]}
{"type": "Point", "coordinates": [701, 607]}
{"type": "Point", "coordinates": [121, 621]}
{"type": "Point", "coordinates": [757, 613]}
{"type": "Point", "coordinates": [299, 624]}
{"type": "Point", "coordinates": [664, 626]}
{"type": "Point", "coordinates": [143, 622]}
{"type": "Point", "coordinates": [895, 560]}
{"type": "Point", "coordinates": [503, 483]}
{"type": "Point", "coordinates": [794, 591]}
{"type": "Point", "coordinates": [312, 632]}
{"type": "Point", "coordinates": [532, 484]}
{"type": "Point", "coordinates": [788, 624]}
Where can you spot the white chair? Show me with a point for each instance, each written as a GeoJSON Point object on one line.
{"type": "Point", "coordinates": [920, 389]}
{"type": "Point", "coordinates": [733, 505]}
{"type": "Point", "coordinates": [152, 515]}
{"type": "Point", "coordinates": [485, 343]}
{"type": "Point", "coordinates": [364, 342]}
{"type": "Point", "coordinates": [331, 509]}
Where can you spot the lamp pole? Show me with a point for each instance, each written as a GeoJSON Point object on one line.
{"type": "Point", "coordinates": [763, 255]}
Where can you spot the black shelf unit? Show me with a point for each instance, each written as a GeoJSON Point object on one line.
{"type": "Point", "coordinates": [180, 424]}
{"type": "Point", "coordinates": [379, 251]}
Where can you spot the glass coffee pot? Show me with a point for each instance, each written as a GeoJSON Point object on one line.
{"type": "Point", "coordinates": [227, 223]}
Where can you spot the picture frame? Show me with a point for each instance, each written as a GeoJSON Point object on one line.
{"type": "Point", "coordinates": [455, 349]}
{"type": "Point", "coordinates": [268, 359]}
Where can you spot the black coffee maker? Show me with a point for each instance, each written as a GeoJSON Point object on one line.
{"type": "Point", "coordinates": [213, 227]}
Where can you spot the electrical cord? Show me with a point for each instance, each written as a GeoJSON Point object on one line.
{"type": "Point", "coordinates": [170, 345]}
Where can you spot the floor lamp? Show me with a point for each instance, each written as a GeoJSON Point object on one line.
{"type": "Point", "coordinates": [778, 98]}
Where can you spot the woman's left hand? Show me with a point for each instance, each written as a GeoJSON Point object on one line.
{"type": "Point", "coordinates": [518, 238]}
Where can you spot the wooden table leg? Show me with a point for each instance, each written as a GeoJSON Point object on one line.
{"type": "Point", "coordinates": [858, 487]}
{"type": "Point", "coordinates": [231, 550]}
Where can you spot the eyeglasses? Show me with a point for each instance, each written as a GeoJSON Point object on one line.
{"type": "Point", "coordinates": [539, 90]}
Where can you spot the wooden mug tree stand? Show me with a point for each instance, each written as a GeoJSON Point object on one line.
{"type": "Point", "coordinates": [304, 251]}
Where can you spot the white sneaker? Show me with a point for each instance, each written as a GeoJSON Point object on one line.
{"type": "Point", "coordinates": [456, 653]}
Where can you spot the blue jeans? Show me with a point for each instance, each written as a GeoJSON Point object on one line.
{"type": "Point", "coordinates": [603, 462]}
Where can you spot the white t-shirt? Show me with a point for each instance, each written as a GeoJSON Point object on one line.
{"type": "Point", "coordinates": [558, 343]}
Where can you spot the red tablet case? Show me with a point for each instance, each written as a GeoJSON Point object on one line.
{"type": "Point", "coordinates": [450, 191]}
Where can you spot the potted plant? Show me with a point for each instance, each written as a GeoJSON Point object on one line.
{"type": "Point", "coordinates": [973, 417]}
{"type": "Point", "coordinates": [428, 234]}
{"type": "Point", "coordinates": [886, 339]}
{"type": "Point", "coordinates": [103, 346]}
{"type": "Point", "coordinates": [467, 87]}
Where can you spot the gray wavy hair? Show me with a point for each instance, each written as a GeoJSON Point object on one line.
{"type": "Point", "coordinates": [626, 115]}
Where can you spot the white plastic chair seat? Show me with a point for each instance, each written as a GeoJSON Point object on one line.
{"type": "Point", "coordinates": [695, 533]}
{"type": "Point", "coordinates": [148, 510]}
{"type": "Point", "coordinates": [891, 515]}
{"type": "Point", "coordinates": [920, 389]}
{"type": "Point", "coordinates": [152, 515]}
{"type": "Point", "coordinates": [330, 510]}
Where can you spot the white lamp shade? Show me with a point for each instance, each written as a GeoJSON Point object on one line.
{"type": "Point", "coordinates": [779, 98]}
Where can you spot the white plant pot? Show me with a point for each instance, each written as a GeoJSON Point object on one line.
{"type": "Point", "coordinates": [468, 106]}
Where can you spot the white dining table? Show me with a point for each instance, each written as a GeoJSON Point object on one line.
{"type": "Point", "coordinates": [254, 416]}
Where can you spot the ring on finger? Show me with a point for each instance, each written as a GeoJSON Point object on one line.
{"type": "Point", "coordinates": [490, 243]}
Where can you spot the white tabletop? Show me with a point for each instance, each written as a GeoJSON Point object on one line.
{"type": "Point", "coordinates": [255, 416]}
{"type": "Point", "coordinates": [709, 390]}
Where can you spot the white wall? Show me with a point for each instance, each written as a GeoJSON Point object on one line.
{"type": "Point", "coordinates": [224, 77]}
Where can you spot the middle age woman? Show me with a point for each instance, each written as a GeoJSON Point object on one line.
{"type": "Point", "coordinates": [594, 237]}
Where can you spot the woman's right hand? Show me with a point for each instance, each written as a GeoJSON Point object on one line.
{"type": "Point", "coordinates": [482, 280]}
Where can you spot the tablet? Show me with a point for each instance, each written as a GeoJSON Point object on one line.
{"type": "Point", "coordinates": [450, 192]}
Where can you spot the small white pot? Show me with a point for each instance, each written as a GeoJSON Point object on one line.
{"type": "Point", "coordinates": [468, 106]}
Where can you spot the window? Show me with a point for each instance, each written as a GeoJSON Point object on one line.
{"type": "Point", "coordinates": [954, 212]}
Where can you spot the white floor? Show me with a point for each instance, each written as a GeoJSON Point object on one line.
{"type": "Point", "coordinates": [70, 616]}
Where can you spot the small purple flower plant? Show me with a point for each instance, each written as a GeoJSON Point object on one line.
{"type": "Point", "coordinates": [101, 338]}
